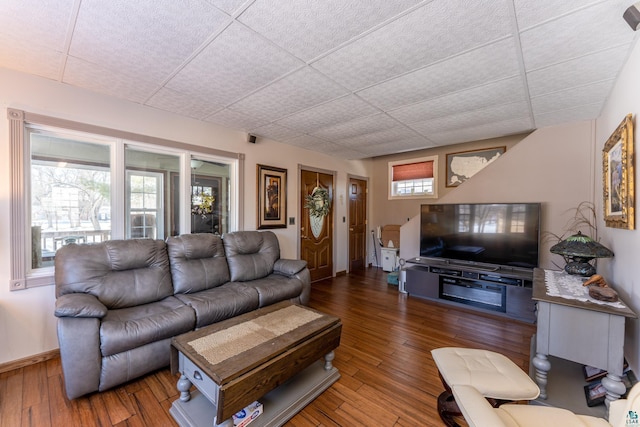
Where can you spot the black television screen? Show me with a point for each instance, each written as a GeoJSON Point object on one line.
{"type": "Point", "coordinates": [506, 234]}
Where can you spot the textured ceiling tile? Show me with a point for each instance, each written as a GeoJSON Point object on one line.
{"type": "Point", "coordinates": [477, 67]}
{"type": "Point", "coordinates": [298, 91]}
{"type": "Point", "coordinates": [500, 92]}
{"type": "Point", "coordinates": [92, 77]}
{"type": "Point", "coordinates": [571, 97]}
{"type": "Point", "coordinates": [437, 30]}
{"type": "Point", "coordinates": [580, 112]}
{"type": "Point", "coordinates": [42, 22]}
{"type": "Point", "coordinates": [588, 30]}
{"type": "Point", "coordinates": [346, 153]}
{"type": "Point", "coordinates": [356, 127]}
{"type": "Point", "coordinates": [531, 13]}
{"type": "Point", "coordinates": [140, 38]}
{"type": "Point", "coordinates": [399, 133]}
{"type": "Point", "coordinates": [308, 28]}
{"type": "Point", "coordinates": [336, 111]}
{"type": "Point", "coordinates": [276, 132]}
{"type": "Point", "coordinates": [310, 142]}
{"type": "Point", "coordinates": [235, 120]}
{"type": "Point", "coordinates": [485, 131]}
{"type": "Point", "coordinates": [229, 6]}
{"type": "Point", "coordinates": [472, 118]}
{"type": "Point", "coordinates": [18, 54]}
{"type": "Point", "coordinates": [236, 63]}
{"type": "Point", "coordinates": [602, 65]}
{"type": "Point", "coordinates": [168, 100]}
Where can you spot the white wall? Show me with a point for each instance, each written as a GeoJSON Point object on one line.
{"type": "Point", "coordinates": [623, 270]}
{"type": "Point", "coordinates": [27, 324]}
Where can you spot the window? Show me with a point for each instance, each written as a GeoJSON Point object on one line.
{"type": "Point", "coordinates": [75, 183]}
{"type": "Point", "coordinates": [413, 178]}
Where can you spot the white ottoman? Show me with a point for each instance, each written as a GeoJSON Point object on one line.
{"type": "Point", "coordinates": [492, 374]}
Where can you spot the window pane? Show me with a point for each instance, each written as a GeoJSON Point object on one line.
{"type": "Point", "coordinates": [70, 194]}
{"type": "Point", "coordinates": [210, 201]}
{"type": "Point", "coordinates": [152, 200]}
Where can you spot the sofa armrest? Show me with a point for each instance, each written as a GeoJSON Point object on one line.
{"type": "Point", "coordinates": [289, 267]}
{"type": "Point", "coordinates": [79, 305]}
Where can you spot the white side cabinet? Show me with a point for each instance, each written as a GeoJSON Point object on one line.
{"type": "Point", "coordinates": [389, 258]}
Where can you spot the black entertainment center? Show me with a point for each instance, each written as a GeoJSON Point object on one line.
{"type": "Point", "coordinates": [480, 254]}
{"type": "Point", "coordinates": [500, 290]}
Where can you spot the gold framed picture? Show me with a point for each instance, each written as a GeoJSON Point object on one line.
{"type": "Point", "coordinates": [618, 177]}
{"type": "Point", "coordinates": [272, 197]}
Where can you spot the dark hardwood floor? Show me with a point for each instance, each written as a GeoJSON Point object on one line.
{"type": "Point", "coordinates": [388, 375]}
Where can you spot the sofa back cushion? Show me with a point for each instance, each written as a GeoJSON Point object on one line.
{"type": "Point", "coordinates": [251, 254]}
{"type": "Point", "coordinates": [197, 262]}
{"type": "Point", "coordinates": [120, 273]}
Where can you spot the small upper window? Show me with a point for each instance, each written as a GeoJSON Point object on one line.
{"type": "Point", "coordinates": [414, 178]}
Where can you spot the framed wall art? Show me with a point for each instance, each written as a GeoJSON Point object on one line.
{"type": "Point", "coordinates": [272, 197]}
{"type": "Point", "coordinates": [618, 177]}
{"type": "Point", "coordinates": [463, 165]}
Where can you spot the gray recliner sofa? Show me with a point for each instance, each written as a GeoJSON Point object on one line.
{"type": "Point", "coordinates": [120, 302]}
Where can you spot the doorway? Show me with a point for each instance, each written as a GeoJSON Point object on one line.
{"type": "Point", "coordinates": [316, 223]}
{"type": "Point", "coordinates": [357, 189]}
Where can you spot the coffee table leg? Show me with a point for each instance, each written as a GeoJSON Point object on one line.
{"type": "Point", "coordinates": [328, 358]}
{"type": "Point", "coordinates": [184, 385]}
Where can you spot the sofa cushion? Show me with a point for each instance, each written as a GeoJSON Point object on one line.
{"type": "Point", "coordinates": [197, 262]}
{"type": "Point", "coordinates": [223, 302]}
{"type": "Point", "coordinates": [127, 328]}
{"type": "Point", "coordinates": [275, 288]}
{"type": "Point", "coordinates": [120, 273]}
{"type": "Point", "coordinates": [250, 254]}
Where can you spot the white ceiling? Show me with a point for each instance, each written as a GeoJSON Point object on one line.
{"type": "Point", "coordinates": [350, 78]}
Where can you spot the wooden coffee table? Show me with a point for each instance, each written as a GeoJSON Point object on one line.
{"type": "Point", "coordinates": [273, 355]}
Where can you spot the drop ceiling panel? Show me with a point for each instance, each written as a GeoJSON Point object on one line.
{"type": "Point", "coordinates": [226, 70]}
{"type": "Point", "coordinates": [132, 36]}
{"type": "Point", "coordinates": [395, 134]}
{"type": "Point", "coordinates": [532, 13]}
{"type": "Point", "coordinates": [95, 78]}
{"type": "Point", "coordinates": [308, 28]}
{"type": "Point", "coordinates": [44, 23]}
{"type": "Point", "coordinates": [586, 31]}
{"type": "Point", "coordinates": [500, 92]}
{"type": "Point", "coordinates": [473, 118]}
{"type": "Point", "coordinates": [235, 120]}
{"type": "Point", "coordinates": [569, 98]}
{"type": "Point", "coordinates": [35, 59]}
{"type": "Point", "coordinates": [477, 67]}
{"type": "Point", "coordinates": [485, 131]}
{"type": "Point", "coordinates": [276, 132]}
{"type": "Point", "coordinates": [168, 100]}
{"type": "Point", "coordinates": [230, 6]}
{"type": "Point", "coordinates": [587, 69]}
{"type": "Point", "coordinates": [356, 127]}
{"type": "Point", "coordinates": [437, 30]}
{"type": "Point", "coordinates": [311, 143]}
{"type": "Point", "coordinates": [336, 111]}
{"type": "Point", "coordinates": [298, 91]}
{"type": "Point", "coordinates": [581, 112]}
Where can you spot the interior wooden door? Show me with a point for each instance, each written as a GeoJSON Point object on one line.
{"type": "Point", "coordinates": [316, 242]}
{"type": "Point", "coordinates": [357, 224]}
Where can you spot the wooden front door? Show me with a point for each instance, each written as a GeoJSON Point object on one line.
{"type": "Point", "coordinates": [357, 224]}
{"type": "Point", "coordinates": [316, 240]}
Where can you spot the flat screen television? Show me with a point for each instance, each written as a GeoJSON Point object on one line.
{"type": "Point", "coordinates": [502, 234]}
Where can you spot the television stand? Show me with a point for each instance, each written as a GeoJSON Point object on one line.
{"type": "Point", "coordinates": [504, 291]}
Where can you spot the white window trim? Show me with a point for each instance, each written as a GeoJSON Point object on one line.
{"type": "Point", "coordinates": [434, 159]}
{"type": "Point", "coordinates": [21, 275]}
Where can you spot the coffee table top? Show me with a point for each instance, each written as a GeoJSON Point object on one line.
{"type": "Point", "coordinates": [228, 349]}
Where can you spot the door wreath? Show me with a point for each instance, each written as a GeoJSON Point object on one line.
{"type": "Point", "coordinates": [319, 204]}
